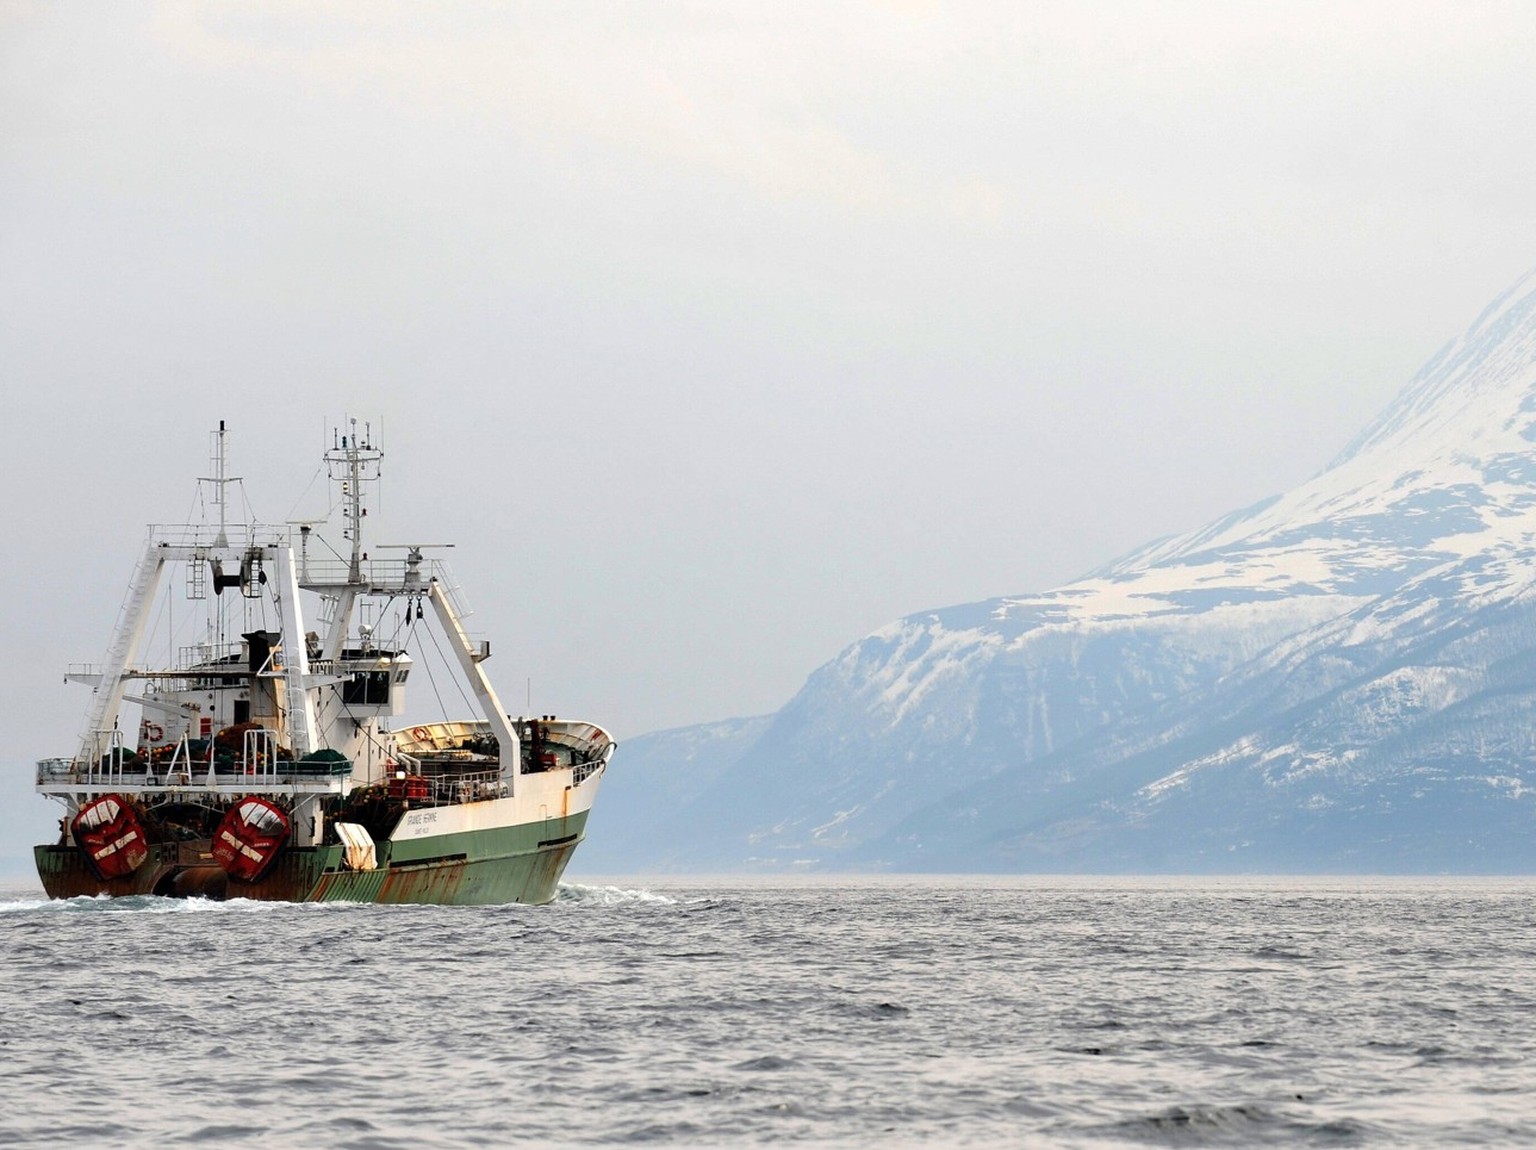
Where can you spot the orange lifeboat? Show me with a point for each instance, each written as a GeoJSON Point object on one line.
{"type": "Point", "coordinates": [111, 836]}
{"type": "Point", "coordinates": [249, 838]}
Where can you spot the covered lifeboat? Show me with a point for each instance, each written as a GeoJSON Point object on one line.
{"type": "Point", "coordinates": [249, 838]}
{"type": "Point", "coordinates": [111, 836]}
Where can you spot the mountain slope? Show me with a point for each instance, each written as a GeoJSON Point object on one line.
{"type": "Point", "coordinates": [664, 771]}
{"type": "Point", "coordinates": [1340, 677]}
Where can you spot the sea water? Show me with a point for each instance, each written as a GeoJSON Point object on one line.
{"type": "Point", "coordinates": [819, 1012]}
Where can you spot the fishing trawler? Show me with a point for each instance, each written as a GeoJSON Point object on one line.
{"type": "Point", "coordinates": [266, 763]}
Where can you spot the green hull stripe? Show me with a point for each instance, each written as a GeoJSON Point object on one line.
{"type": "Point", "coordinates": [485, 867]}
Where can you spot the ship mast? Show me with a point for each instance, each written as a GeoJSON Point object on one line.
{"type": "Point", "coordinates": [352, 491]}
{"type": "Point", "coordinates": [352, 460]}
{"type": "Point", "coordinates": [220, 482]}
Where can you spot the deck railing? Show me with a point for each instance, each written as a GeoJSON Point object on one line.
{"type": "Point", "coordinates": [257, 765]}
{"type": "Point", "coordinates": [468, 787]}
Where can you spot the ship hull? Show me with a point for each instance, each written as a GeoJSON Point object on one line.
{"type": "Point", "coordinates": [482, 867]}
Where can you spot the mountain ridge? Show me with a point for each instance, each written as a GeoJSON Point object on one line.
{"type": "Point", "coordinates": [1286, 687]}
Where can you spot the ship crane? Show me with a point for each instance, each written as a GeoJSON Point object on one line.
{"type": "Point", "coordinates": [469, 653]}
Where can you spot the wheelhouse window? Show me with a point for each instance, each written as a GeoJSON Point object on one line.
{"type": "Point", "coordinates": [366, 689]}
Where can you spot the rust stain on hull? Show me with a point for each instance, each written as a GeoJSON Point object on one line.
{"type": "Point", "coordinates": [186, 870]}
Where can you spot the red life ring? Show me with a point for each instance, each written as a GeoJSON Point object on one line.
{"type": "Point", "coordinates": [420, 734]}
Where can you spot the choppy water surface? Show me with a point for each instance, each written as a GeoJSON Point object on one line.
{"type": "Point", "coordinates": [1092, 1012]}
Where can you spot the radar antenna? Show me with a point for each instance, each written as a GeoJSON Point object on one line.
{"type": "Point", "coordinates": [306, 528]}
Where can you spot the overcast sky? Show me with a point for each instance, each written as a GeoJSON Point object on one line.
{"type": "Point", "coordinates": [719, 335]}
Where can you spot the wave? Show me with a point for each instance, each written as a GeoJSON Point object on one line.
{"type": "Point", "coordinates": [140, 904]}
{"type": "Point", "coordinates": [576, 894]}
{"type": "Point", "coordinates": [579, 893]}
{"type": "Point", "coordinates": [1230, 1125]}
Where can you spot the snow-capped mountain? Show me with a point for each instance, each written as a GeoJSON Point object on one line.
{"type": "Point", "coordinates": [1341, 677]}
